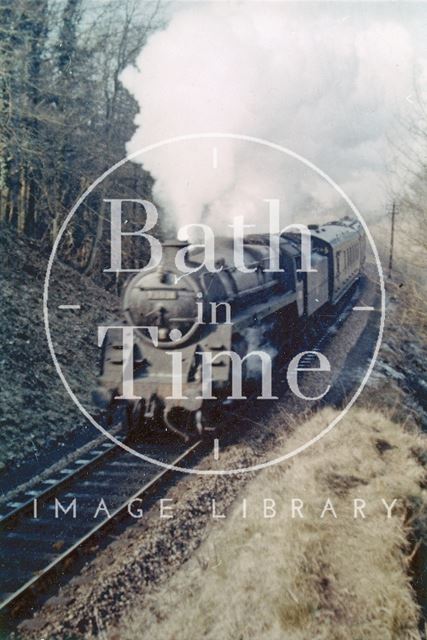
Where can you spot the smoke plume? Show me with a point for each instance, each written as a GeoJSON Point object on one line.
{"type": "Point", "coordinates": [328, 87]}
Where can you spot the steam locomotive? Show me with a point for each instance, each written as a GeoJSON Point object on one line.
{"type": "Point", "coordinates": [264, 309]}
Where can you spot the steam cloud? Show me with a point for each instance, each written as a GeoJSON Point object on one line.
{"type": "Point", "coordinates": [329, 88]}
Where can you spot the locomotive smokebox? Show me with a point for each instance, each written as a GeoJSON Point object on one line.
{"type": "Point", "coordinates": [165, 298]}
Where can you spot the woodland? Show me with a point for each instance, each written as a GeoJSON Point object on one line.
{"type": "Point", "coordinates": [65, 117]}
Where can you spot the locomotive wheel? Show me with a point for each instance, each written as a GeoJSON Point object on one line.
{"type": "Point", "coordinates": [134, 420]}
{"type": "Point", "coordinates": [129, 415]}
{"type": "Point", "coordinates": [114, 414]}
{"type": "Point", "coordinates": [188, 425]}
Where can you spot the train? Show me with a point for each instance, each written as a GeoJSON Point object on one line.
{"type": "Point", "coordinates": [219, 312]}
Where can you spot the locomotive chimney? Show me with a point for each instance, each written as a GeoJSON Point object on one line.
{"type": "Point", "coordinates": [170, 249]}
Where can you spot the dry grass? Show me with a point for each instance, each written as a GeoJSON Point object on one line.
{"type": "Point", "coordinates": [412, 303]}
{"type": "Point", "coordinates": [310, 578]}
{"type": "Point", "coordinates": [408, 285]}
{"type": "Point", "coordinates": [410, 248]}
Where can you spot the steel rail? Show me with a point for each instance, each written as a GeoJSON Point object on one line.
{"type": "Point", "coordinates": [80, 467]}
{"type": "Point", "coordinates": [28, 586]}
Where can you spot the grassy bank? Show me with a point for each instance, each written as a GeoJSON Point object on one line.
{"type": "Point", "coordinates": [306, 577]}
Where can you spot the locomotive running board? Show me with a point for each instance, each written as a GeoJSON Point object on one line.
{"type": "Point", "coordinates": [263, 310]}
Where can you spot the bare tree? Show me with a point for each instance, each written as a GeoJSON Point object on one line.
{"type": "Point", "coordinates": [65, 117]}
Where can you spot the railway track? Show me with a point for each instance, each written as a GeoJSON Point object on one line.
{"type": "Point", "coordinates": [39, 540]}
{"type": "Point", "coordinates": [34, 550]}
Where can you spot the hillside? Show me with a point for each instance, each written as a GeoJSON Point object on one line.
{"type": "Point", "coordinates": [36, 410]}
